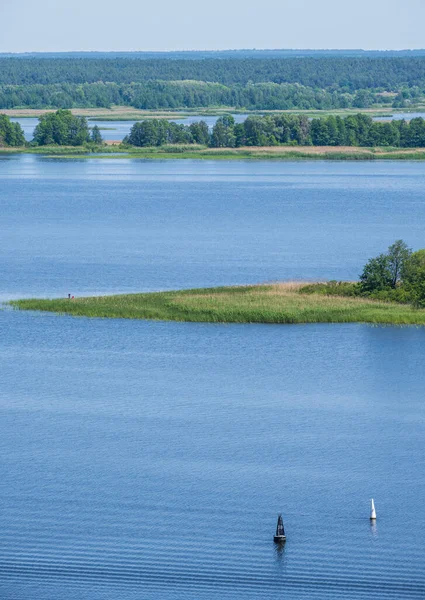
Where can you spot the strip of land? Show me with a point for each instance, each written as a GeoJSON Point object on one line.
{"type": "Point", "coordinates": [115, 150]}
{"type": "Point", "coordinates": [129, 113]}
{"type": "Point", "coordinates": [266, 303]}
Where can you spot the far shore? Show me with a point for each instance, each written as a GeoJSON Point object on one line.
{"type": "Point", "coordinates": [280, 303]}
{"type": "Point", "coordinates": [123, 113]}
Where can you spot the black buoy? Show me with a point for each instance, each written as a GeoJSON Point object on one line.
{"type": "Point", "coordinates": [280, 536]}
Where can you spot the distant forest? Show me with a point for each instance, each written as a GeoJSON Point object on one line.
{"type": "Point", "coordinates": [253, 83]}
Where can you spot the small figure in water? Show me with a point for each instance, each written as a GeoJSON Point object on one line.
{"type": "Point", "coordinates": [280, 536]}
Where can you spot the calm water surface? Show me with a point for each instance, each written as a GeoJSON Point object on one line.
{"type": "Point", "coordinates": [149, 460]}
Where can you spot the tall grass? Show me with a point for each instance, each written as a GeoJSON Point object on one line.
{"type": "Point", "coordinates": [274, 303]}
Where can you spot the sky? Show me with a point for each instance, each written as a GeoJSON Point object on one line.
{"type": "Point", "coordinates": [58, 25]}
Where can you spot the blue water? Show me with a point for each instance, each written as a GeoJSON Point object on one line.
{"type": "Point", "coordinates": [400, 116]}
{"type": "Point", "coordinates": [150, 459]}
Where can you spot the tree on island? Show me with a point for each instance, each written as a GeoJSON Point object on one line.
{"type": "Point", "coordinates": [396, 275]}
{"type": "Point", "coordinates": [414, 277]}
{"type": "Point", "coordinates": [96, 136]}
{"type": "Point", "coordinates": [11, 134]}
{"type": "Point", "coordinates": [223, 133]}
{"type": "Point", "coordinates": [158, 132]}
{"type": "Point", "coordinates": [200, 133]}
{"type": "Point", "coordinates": [386, 270]}
{"type": "Point", "coordinates": [61, 128]}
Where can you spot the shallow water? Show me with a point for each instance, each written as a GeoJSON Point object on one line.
{"type": "Point", "coordinates": [144, 459]}
{"type": "Point", "coordinates": [400, 116]}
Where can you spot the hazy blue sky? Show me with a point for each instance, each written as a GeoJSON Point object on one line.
{"type": "Point", "coordinates": [45, 25]}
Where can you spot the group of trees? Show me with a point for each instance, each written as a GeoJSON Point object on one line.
{"type": "Point", "coordinates": [398, 274]}
{"type": "Point", "coordinates": [361, 130]}
{"type": "Point", "coordinates": [157, 132]}
{"type": "Point", "coordinates": [11, 134]}
{"type": "Point", "coordinates": [324, 82]}
{"type": "Point", "coordinates": [62, 128]}
{"type": "Point", "coordinates": [65, 129]}
{"type": "Point", "coordinates": [278, 129]}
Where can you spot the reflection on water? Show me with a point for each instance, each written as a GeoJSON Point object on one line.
{"type": "Point", "coordinates": [279, 550]}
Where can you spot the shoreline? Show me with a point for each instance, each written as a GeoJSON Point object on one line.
{"type": "Point", "coordinates": [277, 303]}
{"type": "Point", "coordinates": [244, 153]}
{"type": "Point", "coordinates": [129, 113]}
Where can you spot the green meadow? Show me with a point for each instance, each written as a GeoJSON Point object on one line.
{"type": "Point", "coordinates": [266, 303]}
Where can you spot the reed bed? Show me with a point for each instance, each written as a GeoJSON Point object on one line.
{"type": "Point", "coordinates": [267, 303]}
{"type": "Point", "coordinates": [117, 150]}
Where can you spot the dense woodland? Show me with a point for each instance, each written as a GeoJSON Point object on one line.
{"type": "Point", "coordinates": [251, 83]}
{"type": "Point", "coordinates": [192, 94]}
{"type": "Point", "coordinates": [342, 73]}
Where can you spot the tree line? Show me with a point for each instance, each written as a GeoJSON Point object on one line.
{"type": "Point", "coordinates": [317, 83]}
{"type": "Point", "coordinates": [282, 129]}
{"type": "Point", "coordinates": [65, 129]}
{"type": "Point", "coordinates": [194, 94]}
{"type": "Point", "coordinates": [333, 72]}
{"type": "Point", "coordinates": [60, 128]}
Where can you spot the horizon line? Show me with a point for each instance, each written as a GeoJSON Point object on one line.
{"type": "Point", "coordinates": [383, 50]}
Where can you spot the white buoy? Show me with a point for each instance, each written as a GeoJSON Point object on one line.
{"type": "Point", "coordinates": [372, 511]}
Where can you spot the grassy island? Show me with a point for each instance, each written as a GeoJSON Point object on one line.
{"type": "Point", "coordinates": [275, 153]}
{"type": "Point", "coordinates": [266, 303]}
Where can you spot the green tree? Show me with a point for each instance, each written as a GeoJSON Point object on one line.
{"type": "Point", "coordinates": [384, 272]}
{"type": "Point", "coordinates": [96, 136]}
{"type": "Point", "coordinates": [62, 128]}
{"type": "Point", "coordinates": [413, 277]}
{"type": "Point", "coordinates": [200, 133]}
{"type": "Point", "coordinates": [157, 132]}
{"type": "Point", "coordinates": [416, 133]}
{"type": "Point", "coordinates": [376, 275]}
{"type": "Point", "coordinates": [223, 133]}
{"type": "Point", "coordinates": [398, 254]}
{"type": "Point", "coordinates": [11, 134]}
